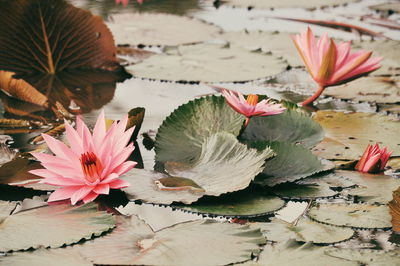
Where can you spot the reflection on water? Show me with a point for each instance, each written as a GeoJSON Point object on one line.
{"type": "Point", "coordinates": [105, 8]}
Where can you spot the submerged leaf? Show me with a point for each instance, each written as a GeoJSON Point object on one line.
{"type": "Point", "coordinates": [17, 171]}
{"type": "Point", "coordinates": [46, 36]}
{"type": "Point", "coordinates": [352, 215]}
{"type": "Point", "coordinates": [53, 226]}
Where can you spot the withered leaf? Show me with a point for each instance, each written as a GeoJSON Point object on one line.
{"type": "Point", "coordinates": [394, 206]}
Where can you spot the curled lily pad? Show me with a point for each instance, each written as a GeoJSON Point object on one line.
{"type": "Point", "coordinates": [247, 203]}
{"type": "Point", "coordinates": [305, 230]}
{"type": "Point", "coordinates": [224, 165]}
{"type": "Point", "coordinates": [292, 126]}
{"type": "Point", "coordinates": [307, 254]}
{"type": "Point", "coordinates": [352, 215]}
{"type": "Point", "coordinates": [371, 188]}
{"type": "Point", "coordinates": [183, 132]}
{"type": "Point", "coordinates": [345, 140]}
{"type": "Point", "coordinates": [292, 162]}
{"type": "Point", "coordinates": [366, 256]}
{"type": "Point", "coordinates": [208, 62]}
{"type": "Point", "coordinates": [133, 243]}
{"type": "Point", "coordinates": [147, 187]}
{"type": "Point", "coordinates": [53, 226]}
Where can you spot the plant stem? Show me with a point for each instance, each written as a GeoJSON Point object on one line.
{"type": "Point", "coordinates": [314, 97]}
{"type": "Point", "coordinates": [246, 122]}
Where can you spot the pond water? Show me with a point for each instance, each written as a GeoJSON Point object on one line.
{"type": "Point", "coordinates": [161, 92]}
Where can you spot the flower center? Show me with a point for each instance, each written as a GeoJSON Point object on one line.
{"type": "Point", "coordinates": [91, 166]}
{"type": "Point", "coordinates": [252, 99]}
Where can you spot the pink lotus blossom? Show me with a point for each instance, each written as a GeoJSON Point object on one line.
{"type": "Point", "coordinates": [250, 107]}
{"type": "Point", "coordinates": [91, 164]}
{"type": "Point", "coordinates": [373, 160]}
{"type": "Point", "coordinates": [332, 64]}
{"type": "Point", "coordinates": [125, 2]}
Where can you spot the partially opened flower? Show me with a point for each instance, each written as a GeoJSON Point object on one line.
{"type": "Point", "coordinates": [332, 64]}
{"type": "Point", "coordinates": [125, 2]}
{"type": "Point", "coordinates": [91, 165]}
{"type": "Point", "coordinates": [251, 107]}
{"type": "Point", "coordinates": [373, 160]}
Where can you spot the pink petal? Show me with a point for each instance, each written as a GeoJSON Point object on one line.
{"type": "Point", "coordinates": [123, 155]}
{"type": "Point", "coordinates": [62, 193]}
{"type": "Point", "coordinates": [123, 141]}
{"type": "Point", "coordinates": [125, 167]}
{"type": "Point", "coordinates": [80, 194]}
{"type": "Point", "coordinates": [353, 61]}
{"type": "Point", "coordinates": [63, 182]}
{"type": "Point", "coordinates": [109, 178]}
{"type": "Point", "coordinates": [119, 183]}
{"type": "Point", "coordinates": [74, 139]}
{"type": "Point", "coordinates": [59, 148]}
{"type": "Point", "coordinates": [102, 189]}
{"type": "Point", "coordinates": [90, 197]}
{"type": "Point", "coordinates": [99, 131]}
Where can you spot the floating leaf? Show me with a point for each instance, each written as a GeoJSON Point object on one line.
{"type": "Point", "coordinates": [246, 203]}
{"type": "Point", "coordinates": [17, 170]}
{"type": "Point", "coordinates": [307, 254]}
{"type": "Point", "coordinates": [51, 36]}
{"type": "Point", "coordinates": [314, 187]}
{"type": "Point", "coordinates": [6, 208]}
{"type": "Point", "coordinates": [305, 230]}
{"type": "Point", "coordinates": [45, 257]}
{"type": "Point", "coordinates": [387, 7]}
{"type": "Point", "coordinates": [371, 188]}
{"type": "Point", "coordinates": [201, 242]}
{"type": "Point", "coordinates": [290, 126]}
{"type": "Point", "coordinates": [208, 62]}
{"type": "Point", "coordinates": [53, 226]}
{"type": "Point", "coordinates": [147, 187]}
{"type": "Point", "coordinates": [394, 206]}
{"type": "Point", "coordinates": [286, 3]}
{"type": "Point", "coordinates": [366, 256]}
{"type": "Point", "coordinates": [292, 162]}
{"type": "Point", "coordinates": [159, 29]}
{"type": "Point", "coordinates": [352, 215]}
{"type": "Point", "coordinates": [181, 135]}
{"type": "Point", "coordinates": [370, 89]}
{"type": "Point", "coordinates": [345, 140]}
{"type": "Point", "coordinates": [135, 118]}
{"type": "Point", "coordinates": [224, 165]}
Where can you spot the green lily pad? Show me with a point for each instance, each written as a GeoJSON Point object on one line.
{"type": "Point", "coordinates": [182, 133]}
{"type": "Point", "coordinates": [369, 89]}
{"type": "Point", "coordinates": [305, 230]}
{"type": "Point", "coordinates": [292, 126]}
{"type": "Point", "coordinates": [45, 257]}
{"type": "Point", "coordinates": [292, 162]}
{"type": "Point", "coordinates": [308, 254]}
{"type": "Point", "coordinates": [208, 62]}
{"type": "Point", "coordinates": [53, 226]}
{"type": "Point", "coordinates": [159, 29]}
{"type": "Point", "coordinates": [344, 139]}
{"type": "Point", "coordinates": [147, 187]}
{"type": "Point", "coordinates": [323, 186]}
{"type": "Point", "coordinates": [247, 203]}
{"type": "Point", "coordinates": [366, 256]}
{"type": "Point", "coordinates": [193, 243]}
{"type": "Point", "coordinates": [372, 188]}
{"type": "Point", "coordinates": [352, 215]}
{"type": "Point", "coordinates": [224, 165]}
{"type": "Point", "coordinates": [286, 3]}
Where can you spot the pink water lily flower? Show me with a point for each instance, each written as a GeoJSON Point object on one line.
{"type": "Point", "coordinates": [373, 160]}
{"type": "Point", "coordinates": [332, 64]}
{"type": "Point", "coordinates": [251, 107]}
{"type": "Point", "coordinates": [91, 164]}
{"type": "Point", "coordinates": [125, 2]}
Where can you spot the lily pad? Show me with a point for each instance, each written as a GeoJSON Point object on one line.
{"type": "Point", "coordinates": [208, 62]}
{"type": "Point", "coordinates": [394, 7]}
{"type": "Point", "coordinates": [369, 89]}
{"type": "Point", "coordinates": [308, 254]}
{"type": "Point", "coordinates": [224, 165]}
{"type": "Point", "coordinates": [182, 133]}
{"type": "Point", "coordinates": [305, 230]}
{"type": "Point", "coordinates": [292, 162]}
{"type": "Point", "coordinates": [247, 203]}
{"type": "Point", "coordinates": [311, 4]}
{"type": "Point", "coordinates": [352, 215]}
{"type": "Point", "coordinates": [45, 257]}
{"type": "Point", "coordinates": [53, 226]}
{"type": "Point", "coordinates": [292, 126]}
{"type": "Point", "coordinates": [147, 187]}
{"type": "Point", "coordinates": [17, 170]}
{"type": "Point", "coordinates": [372, 188]}
{"type": "Point", "coordinates": [323, 186]}
{"type": "Point", "coordinates": [159, 29]}
{"type": "Point", "coordinates": [132, 243]}
{"type": "Point", "coordinates": [348, 134]}
{"type": "Point", "coordinates": [6, 208]}
{"type": "Point", "coordinates": [366, 256]}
